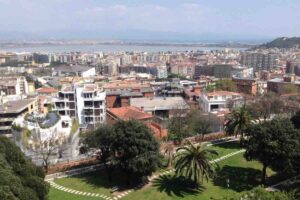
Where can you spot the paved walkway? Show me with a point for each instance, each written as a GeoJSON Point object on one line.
{"type": "Point", "coordinates": [273, 188]}
{"type": "Point", "coordinates": [123, 194]}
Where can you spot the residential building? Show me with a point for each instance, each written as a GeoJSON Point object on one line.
{"type": "Point", "coordinates": [216, 70]}
{"type": "Point", "coordinates": [85, 102]}
{"type": "Point", "coordinates": [280, 85]}
{"type": "Point", "coordinates": [119, 93]}
{"type": "Point", "coordinates": [74, 70]}
{"type": "Point", "coordinates": [293, 67]}
{"type": "Point", "coordinates": [161, 107]}
{"type": "Point", "coordinates": [13, 85]}
{"type": "Point", "coordinates": [49, 91]}
{"type": "Point", "coordinates": [10, 110]}
{"type": "Point", "coordinates": [162, 72]}
{"type": "Point", "coordinates": [133, 113]}
{"type": "Point", "coordinates": [246, 85]}
{"type": "Point", "coordinates": [42, 128]}
{"type": "Point", "coordinates": [219, 99]}
{"type": "Point", "coordinates": [259, 60]}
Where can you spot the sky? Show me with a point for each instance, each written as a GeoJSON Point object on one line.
{"type": "Point", "coordinates": [253, 18]}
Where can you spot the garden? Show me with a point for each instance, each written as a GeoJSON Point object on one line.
{"type": "Point", "coordinates": [233, 175]}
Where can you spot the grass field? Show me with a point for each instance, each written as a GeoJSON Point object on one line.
{"type": "Point", "coordinates": [243, 176]}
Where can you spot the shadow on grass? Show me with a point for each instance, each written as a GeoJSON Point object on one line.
{"type": "Point", "coordinates": [176, 186]}
{"type": "Point", "coordinates": [229, 145]}
{"type": "Point", "coordinates": [292, 186]}
{"type": "Point", "coordinates": [240, 179]}
{"type": "Point", "coordinates": [99, 179]}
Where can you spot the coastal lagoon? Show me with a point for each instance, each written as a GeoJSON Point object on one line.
{"type": "Point", "coordinates": [109, 48]}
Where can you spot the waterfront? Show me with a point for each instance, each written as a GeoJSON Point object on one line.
{"type": "Point", "coordinates": [108, 48]}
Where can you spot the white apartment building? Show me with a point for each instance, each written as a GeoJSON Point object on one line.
{"type": "Point", "coordinates": [162, 72]}
{"type": "Point", "coordinates": [13, 85]}
{"type": "Point", "coordinates": [84, 102]}
{"type": "Point", "coordinates": [43, 127]}
{"type": "Point", "coordinates": [219, 99]}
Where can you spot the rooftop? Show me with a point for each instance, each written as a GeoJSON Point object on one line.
{"type": "Point", "coordinates": [15, 106]}
{"type": "Point", "coordinates": [159, 103]}
{"type": "Point", "coordinates": [124, 85]}
{"type": "Point", "coordinates": [223, 93]}
{"type": "Point", "coordinates": [47, 90]}
{"type": "Point", "coordinates": [130, 112]}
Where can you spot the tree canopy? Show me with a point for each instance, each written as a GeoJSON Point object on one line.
{"type": "Point", "coordinates": [192, 162]}
{"type": "Point", "coordinates": [237, 121]}
{"type": "Point", "coordinates": [20, 178]}
{"type": "Point", "coordinates": [128, 145]}
{"type": "Point", "coordinates": [273, 143]}
{"type": "Point", "coordinates": [136, 149]}
{"type": "Point", "coordinates": [265, 106]}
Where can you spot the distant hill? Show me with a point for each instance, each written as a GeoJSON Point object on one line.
{"type": "Point", "coordinates": [282, 42]}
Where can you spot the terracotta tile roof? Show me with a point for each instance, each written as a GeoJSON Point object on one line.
{"type": "Point", "coordinates": [158, 131]}
{"type": "Point", "coordinates": [130, 112]}
{"type": "Point", "coordinates": [47, 90]}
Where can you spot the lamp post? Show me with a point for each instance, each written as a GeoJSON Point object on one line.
{"type": "Point", "coordinates": [228, 183]}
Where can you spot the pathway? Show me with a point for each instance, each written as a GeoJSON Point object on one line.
{"type": "Point", "coordinates": [123, 194]}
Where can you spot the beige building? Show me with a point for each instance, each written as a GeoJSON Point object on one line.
{"type": "Point", "coordinates": [13, 109]}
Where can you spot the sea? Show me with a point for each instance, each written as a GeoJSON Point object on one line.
{"type": "Point", "coordinates": [108, 48]}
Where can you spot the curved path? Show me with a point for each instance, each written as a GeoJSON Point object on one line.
{"type": "Point", "coordinates": [123, 194]}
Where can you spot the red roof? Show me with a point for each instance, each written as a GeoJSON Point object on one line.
{"type": "Point", "coordinates": [130, 112]}
{"type": "Point", "coordinates": [158, 131]}
{"type": "Point", "coordinates": [47, 90]}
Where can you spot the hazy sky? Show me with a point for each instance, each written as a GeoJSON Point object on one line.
{"type": "Point", "coordinates": [252, 17]}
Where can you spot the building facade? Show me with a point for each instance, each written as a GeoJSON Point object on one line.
{"type": "Point", "coordinates": [85, 102]}
{"type": "Point", "coordinates": [219, 99]}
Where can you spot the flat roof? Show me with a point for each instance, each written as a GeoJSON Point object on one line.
{"type": "Point", "coordinates": [15, 106]}
{"type": "Point", "coordinates": [159, 103]}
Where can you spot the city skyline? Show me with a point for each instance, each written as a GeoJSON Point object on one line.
{"type": "Point", "coordinates": [178, 20]}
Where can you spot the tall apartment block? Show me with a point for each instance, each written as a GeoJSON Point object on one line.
{"type": "Point", "coordinates": [259, 61]}
{"type": "Point", "coordinates": [84, 102]}
{"type": "Point", "coordinates": [13, 85]}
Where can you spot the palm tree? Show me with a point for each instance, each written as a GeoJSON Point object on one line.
{"type": "Point", "coordinates": [192, 162]}
{"type": "Point", "coordinates": [237, 121]}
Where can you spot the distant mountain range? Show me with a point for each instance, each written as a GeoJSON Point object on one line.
{"type": "Point", "coordinates": [282, 42]}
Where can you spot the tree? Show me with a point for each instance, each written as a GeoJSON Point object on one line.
{"type": "Point", "coordinates": [210, 88]}
{"type": "Point", "coordinates": [237, 121]}
{"type": "Point", "coordinates": [129, 146]}
{"type": "Point", "coordinates": [199, 123]}
{"type": "Point", "coordinates": [20, 178]}
{"type": "Point", "coordinates": [265, 106]}
{"type": "Point", "coordinates": [192, 162]}
{"type": "Point", "coordinates": [48, 147]}
{"type": "Point", "coordinates": [178, 125]}
{"type": "Point", "coordinates": [226, 85]}
{"type": "Point", "coordinates": [103, 139]}
{"type": "Point", "coordinates": [296, 120]}
{"type": "Point", "coordinates": [135, 148]}
{"type": "Point", "coordinates": [272, 143]}
{"type": "Point", "coordinates": [289, 88]}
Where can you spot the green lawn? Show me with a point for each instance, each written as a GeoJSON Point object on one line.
{"type": "Point", "coordinates": [60, 195]}
{"type": "Point", "coordinates": [243, 176]}
{"type": "Point", "coordinates": [225, 148]}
